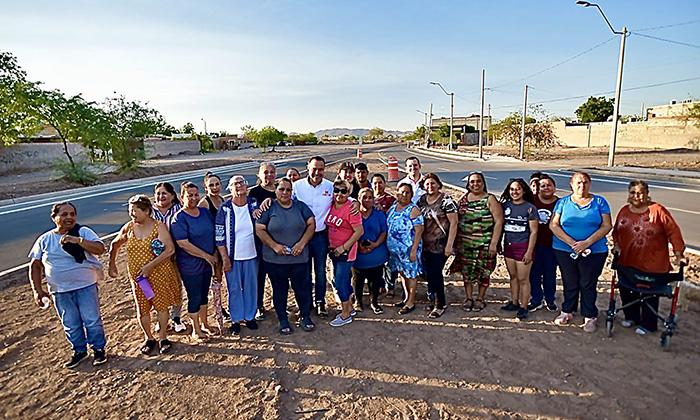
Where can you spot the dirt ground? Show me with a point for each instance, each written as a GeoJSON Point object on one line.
{"type": "Point", "coordinates": [681, 159]}
{"type": "Point", "coordinates": [463, 365]}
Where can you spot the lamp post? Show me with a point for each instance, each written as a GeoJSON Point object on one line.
{"type": "Point", "coordinates": [616, 108]}
{"type": "Point", "coordinates": [452, 108]}
{"type": "Point", "coordinates": [206, 133]}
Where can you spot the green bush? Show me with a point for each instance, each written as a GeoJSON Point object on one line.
{"type": "Point", "coordinates": [81, 172]}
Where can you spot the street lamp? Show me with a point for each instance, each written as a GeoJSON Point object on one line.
{"type": "Point", "coordinates": [205, 127]}
{"type": "Point", "coordinates": [452, 108]}
{"type": "Point", "coordinates": [616, 109]}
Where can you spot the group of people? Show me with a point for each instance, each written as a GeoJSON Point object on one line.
{"type": "Point", "coordinates": [285, 230]}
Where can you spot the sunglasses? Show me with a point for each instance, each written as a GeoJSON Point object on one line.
{"type": "Point", "coordinates": [340, 190]}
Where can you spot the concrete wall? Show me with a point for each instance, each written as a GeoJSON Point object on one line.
{"type": "Point", "coordinates": [28, 156]}
{"type": "Point", "coordinates": [25, 157]}
{"type": "Point", "coordinates": [663, 133]}
{"type": "Point", "coordinates": [155, 148]}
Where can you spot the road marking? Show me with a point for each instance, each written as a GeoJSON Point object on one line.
{"type": "Point", "coordinates": [26, 265]}
{"type": "Point", "coordinates": [683, 210]}
{"type": "Point", "coordinates": [655, 185]}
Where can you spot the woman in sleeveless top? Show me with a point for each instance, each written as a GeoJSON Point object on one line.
{"type": "Point", "coordinates": [478, 232]}
{"type": "Point", "coordinates": [212, 201]}
{"type": "Point", "coordinates": [148, 251]}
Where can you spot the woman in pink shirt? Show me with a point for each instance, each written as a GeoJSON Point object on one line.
{"type": "Point", "coordinates": [344, 229]}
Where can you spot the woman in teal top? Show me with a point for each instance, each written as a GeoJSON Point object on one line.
{"type": "Point", "coordinates": [580, 224]}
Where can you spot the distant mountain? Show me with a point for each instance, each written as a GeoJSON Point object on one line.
{"type": "Point", "coordinates": [337, 132]}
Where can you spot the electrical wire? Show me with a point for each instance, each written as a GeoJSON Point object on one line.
{"type": "Point", "coordinates": [668, 40]}
{"type": "Point", "coordinates": [555, 65]}
{"type": "Point", "coordinates": [666, 26]}
{"type": "Point", "coordinates": [602, 93]}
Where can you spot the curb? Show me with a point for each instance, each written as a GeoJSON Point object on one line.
{"type": "Point", "coordinates": [633, 173]}
{"type": "Point", "coordinates": [137, 181]}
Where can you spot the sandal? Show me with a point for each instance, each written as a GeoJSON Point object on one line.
{"type": "Point", "coordinates": [405, 309]}
{"type": "Point", "coordinates": [436, 313]}
{"type": "Point", "coordinates": [200, 339]}
{"type": "Point", "coordinates": [148, 347]}
{"type": "Point", "coordinates": [307, 325]}
{"type": "Point", "coordinates": [399, 304]}
{"type": "Point", "coordinates": [481, 307]}
{"type": "Point", "coordinates": [468, 305]}
{"type": "Point", "coordinates": [284, 328]}
{"type": "Point", "coordinates": [165, 346]}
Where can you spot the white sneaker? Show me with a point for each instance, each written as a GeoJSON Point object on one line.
{"type": "Point", "coordinates": [642, 331]}
{"type": "Point", "coordinates": [338, 321]}
{"type": "Point", "coordinates": [590, 325]}
{"type": "Point", "coordinates": [627, 323]}
{"type": "Point", "coordinates": [563, 318]}
{"type": "Point", "coordinates": [179, 326]}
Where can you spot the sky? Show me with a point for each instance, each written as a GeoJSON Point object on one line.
{"type": "Point", "coordinates": [303, 66]}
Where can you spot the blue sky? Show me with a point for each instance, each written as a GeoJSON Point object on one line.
{"type": "Point", "coordinates": [307, 65]}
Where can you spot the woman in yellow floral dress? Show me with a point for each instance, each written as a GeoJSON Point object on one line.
{"type": "Point", "coordinates": [148, 250]}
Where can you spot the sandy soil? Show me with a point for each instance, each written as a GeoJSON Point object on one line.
{"type": "Point", "coordinates": [463, 365]}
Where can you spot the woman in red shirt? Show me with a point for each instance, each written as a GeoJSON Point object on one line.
{"type": "Point", "coordinates": [344, 229]}
{"type": "Point", "coordinates": [642, 232]}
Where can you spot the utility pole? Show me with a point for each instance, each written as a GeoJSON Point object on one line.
{"type": "Point", "coordinates": [522, 133]}
{"type": "Point", "coordinates": [616, 111]}
{"type": "Point", "coordinates": [489, 136]}
{"type": "Point", "coordinates": [481, 117]}
{"type": "Point", "coordinates": [452, 111]}
{"type": "Point", "coordinates": [644, 113]}
{"type": "Point", "coordinates": [205, 127]}
{"type": "Point", "coordinates": [430, 122]}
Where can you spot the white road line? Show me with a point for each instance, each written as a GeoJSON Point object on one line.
{"type": "Point", "coordinates": [444, 169]}
{"type": "Point", "coordinates": [663, 187]}
{"type": "Point", "coordinates": [684, 211]}
{"type": "Point", "coordinates": [26, 265]}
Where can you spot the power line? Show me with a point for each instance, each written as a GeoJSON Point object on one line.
{"type": "Point", "coordinates": [668, 40]}
{"type": "Point", "coordinates": [666, 26]}
{"type": "Point", "coordinates": [602, 93]}
{"type": "Point", "coordinates": [556, 65]}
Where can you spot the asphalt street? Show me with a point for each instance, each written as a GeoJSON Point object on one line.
{"type": "Point", "coordinates": [105, 209]}
{"type": "Point", "coordinates": [682, 200]}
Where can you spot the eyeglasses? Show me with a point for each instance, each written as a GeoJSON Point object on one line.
{"type": "Point", "coordinates": [340, 190]}
{"type": "Point", "coordinates": [239, 183]}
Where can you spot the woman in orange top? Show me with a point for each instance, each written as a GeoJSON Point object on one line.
{"type": "Point", "coordinates": [148, 251]}
{"type": "Point", "coordinates": [642, 232]}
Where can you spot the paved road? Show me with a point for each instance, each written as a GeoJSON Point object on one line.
{"type": "Point", "coordinates": [681, 199]}
{"type": "Point", "coordinates": [104, 209]}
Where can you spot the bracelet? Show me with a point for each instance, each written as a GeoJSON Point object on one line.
{"type": "Point", "coordinates": [80, 241]}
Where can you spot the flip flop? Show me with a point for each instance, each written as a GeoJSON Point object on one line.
{"type": "Point", "coordinates": [404, 310]}
{"type": "Point", "coordinates": [307, 325]}
{"type": "Point", "coordinates": [165, 346]}
{"type": "Point", "coordinates": [285, 328]}
{"type": "Point", "coordinates": [479, 308]}
{"type": "Point", "coordinates": [148, 347]}
{"type": "Point", "coordinates": [436, 313]}
{"type": "Point", "coordinates": [468, 305]}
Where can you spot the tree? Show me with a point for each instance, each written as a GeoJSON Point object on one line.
{"type": "Point", "coordinates": [595, 109]}
{"type": "Point", "coordinates": [375, 132]}
{"type": "Point", "coordinates": [187, 128]}
{"type": "Point", "coordinates": [266, 136]}
{"type": "Point", "coordinates": [16, 119]}
{"type": "Point", "coordinates": [538, 135]}
{"type": "Point", "coordinates": [692, 114]}
{"type": "Point", "coordinates": [130, 122]}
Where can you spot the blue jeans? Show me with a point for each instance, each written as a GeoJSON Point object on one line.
{"type": "Point", "coordinates": [341, 278]}
{"type": "Point", "coordinates": [318, 252]}
{"type": "Point", "coordinates": [242, 284]}
{"type": "Point", "coordinates": [79, 311]}
{"type": "Point", "coordinates": [543, 275]}
{"type": "Point", "coordinates": [197, 287]}
{"type": "Point", "coordinates": [280, 277]}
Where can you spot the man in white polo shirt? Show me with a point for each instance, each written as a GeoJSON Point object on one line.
{"type": "Point", "coordinates": [413, 177]}
{"type": "Point", "coordinates": [317, 193]}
